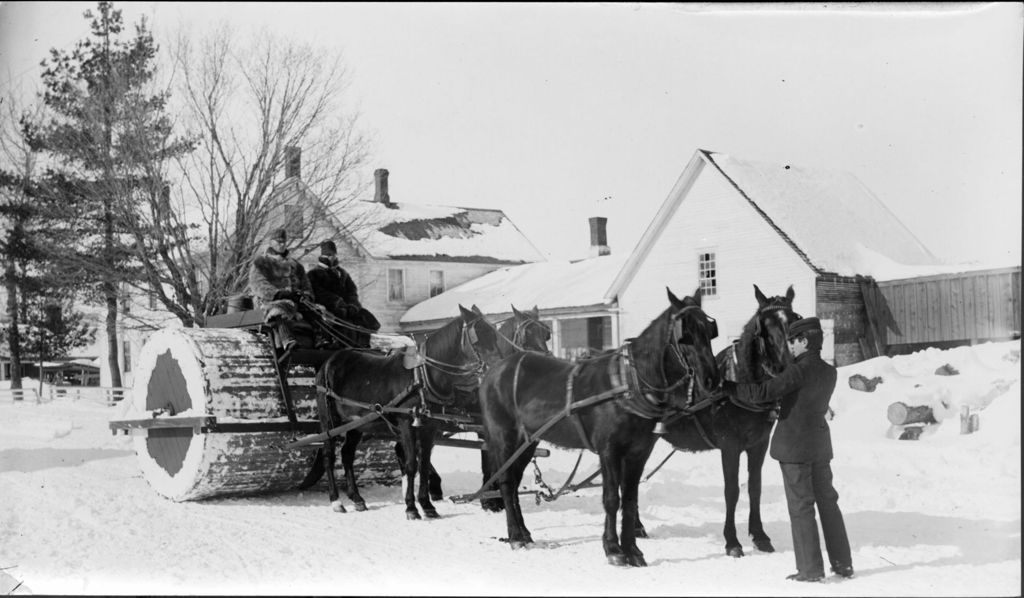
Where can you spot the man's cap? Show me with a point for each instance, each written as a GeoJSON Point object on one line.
{"type": "Point", "coordinates": [328, 247]}
{"type": "Point", "coordinates": [279, 234]}
{"type": "Point", "coordinates": [804, 325]}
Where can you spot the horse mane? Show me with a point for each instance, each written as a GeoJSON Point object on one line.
{"type": "Point", "coordinates": [647, 356]}
{"type": "Point", "coordinates": [444, 338]}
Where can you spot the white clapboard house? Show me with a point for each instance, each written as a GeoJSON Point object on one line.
{"type": "Point", "coordinates": [726, 225]}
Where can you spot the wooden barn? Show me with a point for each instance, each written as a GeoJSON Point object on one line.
{"type": "Point", "coordinates": [400, 254]}
{"type": "Point", "coordinates": [730, 223]}
{"type": "Point", "coordinates": [952, 309]}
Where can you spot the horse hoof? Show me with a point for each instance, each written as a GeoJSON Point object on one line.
{"type": "Point", "coordinates": [360, 506]}
{"type": "Point", "coordinates": [436, 496]}
{"type": "Point", "coordinates": [619, 560]}
{"type": "Point", "coordinates": [337, 507]}
{"type": "Point", "coordinates": [636, 561]}
{"type": "Point", "coordinates": [764, 545]}
{"type": "Point", "coordinates": [641, 533]}
{"type": "Point", "coordinates": [412, 515]}
{"type": "Point", "coordinates": [431, 514]}
{"type": "Point", "coordinates": [494, 506]}
{"type": "Point", "coordinates": [735, 551]}
{"type": "Point", "coordinates": [517, 544]}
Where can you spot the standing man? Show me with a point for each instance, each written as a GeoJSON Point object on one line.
{"type": "Point", "coordinates": [334, 289]}
{"type": "Point", "coordinates": [277, 283]}
{"type": "Point", "coordinates": [802, 445]}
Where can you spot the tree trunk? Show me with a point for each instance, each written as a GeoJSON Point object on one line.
{"type": "Point", "coordinates": [14, 338]}
{"type": "Point", "coordinates": [112, 348]}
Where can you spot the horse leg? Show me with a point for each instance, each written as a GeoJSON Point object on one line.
{"type": "Point", "coordinates": [518, 534]}
{"type": "Point", "coordinates": [494, 504]}
{"type": "Point", "coordinates": [632, 471]}
{"type": "Point", "coordinates": [425, 438]}
{"type": "Point", "coordinates": [755, 460]}
{"type": "Point", "coordinates": [327, 452]}
{"type": "Point", "coordinates": [332, 482]}
{"type": "Point", "coordinates": [348, 459]}
{"type": "Point", "coordinates": [611, 477]}
{"type": "Point", "coordinates": [436, 493]}
{"type": "Point", "coordinates": [731, 474]}
{"type": "Point", "coordinates": [408, 466]}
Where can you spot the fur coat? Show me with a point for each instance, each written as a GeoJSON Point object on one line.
{"type": "Point", "coordinates": [273, 276]}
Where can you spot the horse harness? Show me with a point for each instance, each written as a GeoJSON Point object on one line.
{"type": "Point", "coordinates": [626, 383]}
{"type": "Point", "coordinates": [421, 386]}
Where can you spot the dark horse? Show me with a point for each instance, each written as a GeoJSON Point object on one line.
{"type": "Point", "coordinates": [524, 331]}
{"type": "Point", "coordinates": [607, 404]}
{"type": "Point", "coordinates": [357, 383]}
{"type": "Point", "coordinates": [734, 428]}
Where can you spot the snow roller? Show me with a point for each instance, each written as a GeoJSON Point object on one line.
{"type": "Point", "coordinates": [213, 409]}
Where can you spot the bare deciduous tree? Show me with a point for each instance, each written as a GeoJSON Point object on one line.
{"type": "Point", "coordinates": [249, 105]}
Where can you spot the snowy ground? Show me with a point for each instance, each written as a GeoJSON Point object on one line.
{"type": "Point", "coordinates": [939, 516]}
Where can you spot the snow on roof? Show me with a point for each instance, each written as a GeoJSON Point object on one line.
{"type": "Point", "coordinates": [417, 231]}
{"type": "Point", "coordinates": [829, 216]}
{"type": "Point", "coordinates": [882, 268]}
{"type": "Point", "coordinates": [548, 285]}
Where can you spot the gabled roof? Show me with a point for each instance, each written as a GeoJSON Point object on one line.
{"type": "Point", "coordinates": [402, 231]}
{"type": "Point", "coordinates": [548, 285]}
{"type": "Point", "coordinates": [829, 218]}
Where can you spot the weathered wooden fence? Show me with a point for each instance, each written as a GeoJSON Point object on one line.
{"type": "Point", "coordinates": [958, 308]}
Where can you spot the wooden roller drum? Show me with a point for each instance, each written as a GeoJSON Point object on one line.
{"type": "Point", "coordinates": [209, 418]}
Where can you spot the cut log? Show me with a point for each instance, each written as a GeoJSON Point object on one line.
{"type": "Point", "coordinates": [901, 414]}
{"type": "Point", "coordinates": [864, 384]}
{"type": "Point", "coordinates": [228, 374]}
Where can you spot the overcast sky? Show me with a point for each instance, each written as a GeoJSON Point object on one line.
{"type": "Point", "coordinates": [545, 110]}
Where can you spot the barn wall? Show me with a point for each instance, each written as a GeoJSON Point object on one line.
{"type": "Point", "coordinates": [714, 216]}
{"type": "Point", "coordinates": [839, 299]}
{"type": "Point", "coordinates": [965, 307]}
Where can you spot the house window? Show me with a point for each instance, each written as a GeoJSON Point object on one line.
{"type": "Point", "coordinates": [126, 350]}
{"type": "Point", "coordinates": [585, 337]}
{"type": "Point", "coordinates": [396, 284]}
{"type": "Point", "coordinates": [126, 301]}
{"type": "Point", "coordinates": [707, 274]}
{"type": "Point", "coordinates": [436, 282]}
{"type": "Point", "coordinates": [293, 220]}
{"type": "Point", "coordinates": [153, 301]}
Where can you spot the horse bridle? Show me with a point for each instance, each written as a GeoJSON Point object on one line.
{"type": "Point", "coordinates": [774, 307]}
{"type": "Point", "coordinates": [674, 340]}
{"type": "Point", "coordinates": [477, 368]}
{"type": "Point", "coordinates": [520, 331]}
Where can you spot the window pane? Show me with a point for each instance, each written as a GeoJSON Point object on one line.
{"type": "Point", "coordinates": [396, 285]}
{"type": "Point", "coordinates": [436, 282]}
{"type": "Point", "coordinates": [707, 274]}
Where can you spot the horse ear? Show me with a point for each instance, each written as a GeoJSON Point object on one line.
{"type": "Point", "coordinates": [535, 312]}
{"type": "Point", "coordinates": [515, 311]}
{"type": "Point", "coordinates": [790, 294]}
{"type": "Point", "coordinates": [673, 299]}
{"type": "Point", "coordinates": [477, 309]}
{"type": "Point", "coordinates": [761, 299]}
{"type": "Point", "coordinates": [466, 314]}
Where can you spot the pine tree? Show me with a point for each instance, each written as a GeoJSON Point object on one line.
{"type": "Point", "coordinates": [108, 135]}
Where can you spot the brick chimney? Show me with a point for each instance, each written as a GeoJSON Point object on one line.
{"type": "Point", "coordinates": [292, 162]}
{"type": "Point", "coordinates": [380, 182]}
{"type": "Point", "coordinates": [598, 237]}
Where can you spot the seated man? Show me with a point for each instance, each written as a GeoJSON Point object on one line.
{"type": "Point", "coordinates": [277, 283]}
{"type": "Point", "coordinates": [334, 289]}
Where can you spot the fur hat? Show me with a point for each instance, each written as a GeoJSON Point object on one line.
{"type": "Point", "coordinates": [279, 234]}
{"type": "Point", "coordinates": [804, 325]}
{"type": "Point", "coordinates": [328, 247]}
